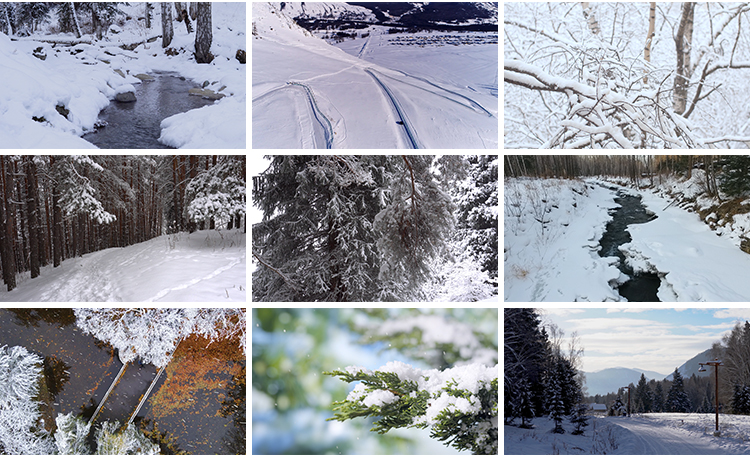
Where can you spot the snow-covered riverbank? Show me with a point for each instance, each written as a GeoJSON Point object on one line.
{"type": "Point", "coordinates": [51, 94]}
{"type": "Point", "coordinates": [553, 228]}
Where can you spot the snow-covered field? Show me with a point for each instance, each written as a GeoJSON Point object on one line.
{"type": "Point", "coordinates": [552, 233]}
{"type": "Point", "coordinates": [653, 433]}
{"type": "Point", "coordinates": [372, 94]}
{"type": "Point", "coordinates": [84, 82]}
{"type": "Point", "coordinates": [207, 265]}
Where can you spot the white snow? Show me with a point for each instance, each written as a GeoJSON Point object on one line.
{"type": "Point", "coordinates": [552, 230]}
{"type": "Point", "coordinates": [206, 265]}
{"type": "Point", "coordinates": [85, 83]}
{"type": "Point", "coordinates": [309, 94]}
{"type": "Point", "coordinates": [653, 433]}
{"type": "Point", "coordinates": [560, 262]}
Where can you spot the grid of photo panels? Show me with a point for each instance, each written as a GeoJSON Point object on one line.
{"type": "Point", "coordinates": [626, 304]}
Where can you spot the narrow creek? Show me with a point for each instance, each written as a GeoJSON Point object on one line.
{"type": "Point", "coordinates": [138, 124]}
{"type": "Point", "coordinates": [186, 404]}
{"type": "Point", "coordinates": [641, 286]}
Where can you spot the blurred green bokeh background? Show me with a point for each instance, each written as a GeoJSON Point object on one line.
{"type": "Point", "coordinates": [292, 399]}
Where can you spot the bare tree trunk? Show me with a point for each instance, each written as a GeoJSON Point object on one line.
{"type": "Point", "coordinates": [166, 24]}
{"type": "Point", "coordinates": [148, 7]}
{"type": "Point", "coordinates": [203, 34]}
{"type": "Point", "coordinates": [650, 35]}
{"type": "Point", "coordinates": [32, 202]}
{"type": "Point", "coordinates": [6, 7]}
{"type": "Point", "coordinates": [588, 13]}
{"type": "Point", "coordinates": [193, 11]}
{"type": "Point", "coordinates": [683, 41]}
{"type": "Point", "coordinates": [75, 20]}
{"type": "Point", "coordinates": [7, 228]}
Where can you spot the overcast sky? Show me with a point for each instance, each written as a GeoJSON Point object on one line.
{"type": "Point", "coordinates": [651, 339]}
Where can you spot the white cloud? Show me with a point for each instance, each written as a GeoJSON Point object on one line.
{"type": "Point", "coordinates": [735, 313]}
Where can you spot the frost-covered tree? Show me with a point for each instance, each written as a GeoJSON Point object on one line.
{"type": "Point", "coordinates": [618, 407]}
{"type": "Point", "coordinates": [459, 405]}
{"type": "Point", "coordinates": [29, 15]}
{"type": "Point", "coordinates": [677, 399]}
{"type": "Point", "coordinates": [112, 439]}
{"type": "Point", "coordinates": [218, 194]}
{"type": "Point", "coordinates": [21, 429]}
{"type": "Point", "coordinates": [741, 399]}
{"type": "Point", "coordinates": [153, 334]}
{"type": "Point", "coordinates": [735, 175]}
{"type": "Point", "coordinates": [72, 434]}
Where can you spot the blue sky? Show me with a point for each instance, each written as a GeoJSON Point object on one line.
{"type": "Point", "coordinates": [652, 339]}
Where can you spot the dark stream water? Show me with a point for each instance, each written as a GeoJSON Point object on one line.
{"type": "Point", "coordinates": [138, 124]}
{"type": "Point", "coordinates": [641, 286]}
{"type": "Point", "coordinates": [79, 369]}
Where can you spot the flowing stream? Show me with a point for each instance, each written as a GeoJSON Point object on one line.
{"type": "Point", "coordinates": [641, 286]}
{"type": "Point", "coordinates": [138, 124]}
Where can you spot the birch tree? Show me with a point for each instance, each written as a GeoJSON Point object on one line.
{"type": "Point", "coordinates": [203, 33]}
{"type": "Point", "coordinates": [167, 32]}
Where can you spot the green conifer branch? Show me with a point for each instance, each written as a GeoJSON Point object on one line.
{"type": "Point", "coordinates": [401, 403]}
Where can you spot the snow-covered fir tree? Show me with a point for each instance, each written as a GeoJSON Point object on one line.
{"type": "Point", "coordinates": [352, 228]}
{"type": "Point", "coordinates": [580, 418]}
{"type": "Point", "coordinates": [643, 397]}
{"type": "Point", "coordinates": [217, 195]}
{"type": "Point", "coordinates": [21, 427]}
{"type": "Point", "coordinates": [618, 407]}
{"type": "Point", "coordinates": [658, 401]}
{"type": "Point", "coordinates": [555, 405]}
{"type": "Point", "coordinates": [523, 405]}
{"type": "Point", "coordinates": [677, 399]}
{"type": "Point", "coordinates": [741, 399]}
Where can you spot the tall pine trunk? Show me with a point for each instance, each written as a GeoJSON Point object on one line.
{"type": "Point", "coordinates": [203, 34]}
{"type": "Point", "coordinates": [166, 24]}
{"type": "Point", "coordinates": [75, 20]}
{"type": "Point", "coordinates": [33, 214]}
{"type": "Point", "coordinates": [7, 231]}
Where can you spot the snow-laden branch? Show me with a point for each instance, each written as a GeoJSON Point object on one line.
{"type": "Point", "coordinates": [459, 405]}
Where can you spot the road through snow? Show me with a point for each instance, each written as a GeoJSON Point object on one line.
{"type": "Point", "coordinates": [649, 437]}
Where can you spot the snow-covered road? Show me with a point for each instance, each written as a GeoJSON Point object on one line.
{"type": "Point", "coordinates": [647, 437]}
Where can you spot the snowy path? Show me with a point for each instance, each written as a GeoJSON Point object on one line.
{"type": "Point", "coordinates": [202, 266]}
{"type": "Point", "coordinates": [699, 265]}
{"type": "Point", "coordinates": [650, 438]}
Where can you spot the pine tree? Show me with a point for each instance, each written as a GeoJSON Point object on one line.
{"type": "Point", "coordinates": [579, 418]}
{"type": "Point", "coordinates": [735, 175]}
{"type": "Point", "coordinates": [555, 405]}
{"type": "Point", "coordinates": [618, 407]}
{"type": "Point", "coordinates": [525, 406]}
{"type": "Point", "coordinates": [525, 355]}
{"type": "Point", "coordinates": [643, 396]}
{"type": "Point", "coordinates": [658, 403]}
{"type": "Point", "coordinates": [677, 399]}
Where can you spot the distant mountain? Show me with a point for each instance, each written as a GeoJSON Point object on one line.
{"type": "Point", "coordinates": [609, 380]}
{"type": "Point", "coordinates": [476, 16]}
{"type": "Point", "coordinates": [691, 366]}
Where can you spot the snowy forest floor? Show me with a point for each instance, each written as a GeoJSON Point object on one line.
{"type": "Point", "coordinates": [653, 433]}
{"type": "Point", "coordinates": [207, 265]}
{"type": "Point", "coordinates": [82, 79]}
{"type": "Point", "coordinates": [553, 228]}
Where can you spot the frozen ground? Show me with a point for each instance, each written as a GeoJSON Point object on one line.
{"type": "Point", "coordinates": [310, 94]}
{"type": "Point", "coordinates": [85, 81]}
{"type": "Point", "coordinates": [654, 433]}
{"type": "Point", "coordinates": [560, 261]}
{"type": "Point", "coordinates": [206, 265]}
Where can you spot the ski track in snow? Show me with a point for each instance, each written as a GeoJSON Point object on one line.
{"type": "Point", "coordinates": [473, 105]}
{"type": "Point", "coordinates": [410, 134]}
{"type": "Point", "coordinates": [159, 296]}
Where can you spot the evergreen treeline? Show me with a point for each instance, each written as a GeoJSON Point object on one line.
{"type": "Point", "coordinates": [53, 207]}
{"type": "Point", "coordinates": [539, 378]}
{"type": "Point", "coordinates": [727, 174]}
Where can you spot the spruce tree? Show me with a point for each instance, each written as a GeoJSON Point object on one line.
{"type": "Point", "coordinates": [579, 418]}
{"type": "Point", "coordinates": [554, 394]}
{"type": "Point", "coordinates": [525, 408]}
{"type": "Point", "coordinates": [658, 403]}
{"type": "Point", "coordinates": [677, 399]}
{"type": "Point", "coordinates": [735, 175]}
{"type": "Point", "coordinates": [643, 396]}
{"type": "Point", "coordinates": [618, 407]}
